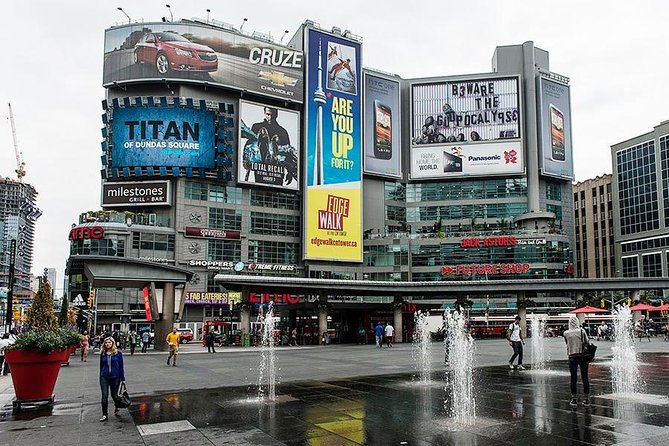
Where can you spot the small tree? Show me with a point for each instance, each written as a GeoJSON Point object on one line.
{"type": "Point", "coordinates": [62, 315]}
{"type": "Point", "coordinates": [71, 317]}
{"type": "Point", "coordinates": [41, 316]}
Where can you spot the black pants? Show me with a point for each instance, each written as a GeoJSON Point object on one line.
{"type": "Point", "coordinates": [210, 347]}
{"type": "Point", "coordinates": [517, 351]}
{"type": "Point", "coordinates": [105, 385]}
{"type": "Point", "coordinates": [132, 348]}
{"type": "Point", "coordinates": [574, 363]}
{"type": "Point", "coordinates": [144, 346]}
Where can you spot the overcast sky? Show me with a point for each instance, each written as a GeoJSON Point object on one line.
{"type": "Point", "coordinates": [614, 52]}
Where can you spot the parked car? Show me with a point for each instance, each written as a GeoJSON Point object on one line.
{"type": "Point", "coordinates": [185, 334]}
{"type": "Point", "coordinates": [169, 51]}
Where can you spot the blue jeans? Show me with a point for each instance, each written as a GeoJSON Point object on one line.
{"type": "Point", "coordinates": [517, 351]}
{"type": "Point", "coordinates": [105, 384]}
{"type": "Point", "coordinates": [576, 362]}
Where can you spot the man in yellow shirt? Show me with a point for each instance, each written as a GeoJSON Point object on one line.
{"type": "Point", "coordinates": [173, 341]}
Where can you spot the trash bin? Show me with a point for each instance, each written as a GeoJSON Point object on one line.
{"type": "Point", "coordinates": [246, 341]}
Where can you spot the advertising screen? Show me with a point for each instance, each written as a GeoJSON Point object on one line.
{"type": "Point", "coordinates": [193, 52]}
{"type": "Point", "coordinates": [499, 158]}
{"type": "Point", "coordinates": [269, 146]}
{"type": "Point", "coordinates": [382, 125]}
{"type": "Point", "coordinates": [555, 129]}
{"type": "Point", "coordinates": [466, 110]}
{"type": "Point", "coordinates": [333, 197]}
{"type": "Point", "coordinates": [162, 136]}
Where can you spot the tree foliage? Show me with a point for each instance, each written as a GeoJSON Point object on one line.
{"type": "Point", "coordinates": [41, 316]}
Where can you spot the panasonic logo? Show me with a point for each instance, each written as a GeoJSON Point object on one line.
{"type": "Point", "coordinates": [485, 158]}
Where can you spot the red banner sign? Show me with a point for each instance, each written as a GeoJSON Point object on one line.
{"type": "Point", "coordinates": [487, 268]}
{"type": "Point", "coordinates": [489, 242]}
{"type": "Point", "coordinates": [212, 233]}
{"type": "Point", "coordinates": [147, 305]}
{"type": "Point", "coordinates": [261, 298]}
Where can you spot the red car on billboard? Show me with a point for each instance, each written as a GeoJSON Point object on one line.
{"type": "Point", "coordinates": [169, 51]}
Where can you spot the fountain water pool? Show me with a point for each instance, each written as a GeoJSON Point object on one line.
{"type": "Point", "coordinates": [624, 365]}
{"type": "Point", "coordinates": [538, 353]}
{"type": "Point", "coordinates": [422, 342]}
{"type": "Point", "coordinates": [267, 364]}
{"type": "Point", "coordinates": [460, 347]}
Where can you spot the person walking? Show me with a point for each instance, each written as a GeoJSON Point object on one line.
{"type": "Point", "coordinates": [293, 337]}
{"type": "Point", "coordinates": [575, 338]}
{"type": "Point", "coordinates": [515, 337]}
{"type": "Point", "coordinates": [132, 340]}
{"type": "Point", "coordinates": [390, 333]}
{"type": "Point", "coordinates": [173, 339]}
{"type": "Point", "coordinates": [210, 342]}
{"type": "Point", "coordinates": [4, 342]}
{"type": "Point", "coordinates": [112, 374]}
{"type": "Point", "coordinates": [146, 338]}
{"type": "Point", "coordinates": [378, 332]}
{"type": "Point", "coordinates": [85, 342]}
{"type": "Point", "coordinates": [362, 335]}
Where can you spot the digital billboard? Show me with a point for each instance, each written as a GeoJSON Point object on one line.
{"type": "Point", "coordinates": [163, 136]}
{"type": "Point", "coordinates": [333, 171]}
{"type": "Point", "coordinates": [451, 160]}
{"type": "Point", "coordinates": [555, 129]}
{"type": "Point", "coordinates": [465, 110]}
{"type": "Point", "coordinates": [193, 52]}
{"type": "Point", "coordinates": [269, 146]}
{"type": "Point", "coordinates": [382, 125]}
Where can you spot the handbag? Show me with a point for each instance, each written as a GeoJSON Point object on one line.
{"type": "Point", "coordinates": [122, 398]}
{"type": "Point", "coordinates": [588, 349]}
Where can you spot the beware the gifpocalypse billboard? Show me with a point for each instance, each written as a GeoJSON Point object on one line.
{"type": "Point", "coordinates": [199, 53]}
{"type": "Point", "coordinates": [333, 197]}
{"type": "Point", "coordinates": [466, 127]}
{"type": "Point", "coordinates": [555, 129]}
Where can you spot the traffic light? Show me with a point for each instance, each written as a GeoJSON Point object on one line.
{"type": "Point", "coordinates": [602, 303]}
{"type": "Point", "coordinates": [629, 301]}
{"type": "Point", "coordinates": [91, 298]}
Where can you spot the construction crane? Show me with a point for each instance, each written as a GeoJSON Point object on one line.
{"type": "Point", "coordinates": [20, 165]}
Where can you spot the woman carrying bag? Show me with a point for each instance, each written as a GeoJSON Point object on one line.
{"type": "Point", "coordinates": [112, 376]}
{"type": "Point", "coordinates": [577, 349]}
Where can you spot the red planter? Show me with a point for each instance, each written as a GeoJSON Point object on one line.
{"type": "Point", "coordinates": [67, 353]}
{"type": "Point", "coordinates": [34, 374]}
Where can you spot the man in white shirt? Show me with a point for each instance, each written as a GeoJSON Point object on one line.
{"type": "Point", "coordinates": [389, 333]}
{"type": "Point", "coordinates": [515, 338]}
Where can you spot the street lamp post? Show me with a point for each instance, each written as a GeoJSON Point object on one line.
{"type": "Point", "coordinates": [126, 14]}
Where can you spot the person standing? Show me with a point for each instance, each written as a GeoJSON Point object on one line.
{"type": "Point", "coordinates": [362, 335]}
{"type": "Point", "coordinates": [85, 342]}
{"type": "Point", "coordinates": [575, 338]}
{"type": "Point", "coordinates": [515, 337]}
{"type": "Point", "coordinates": [390, 333]}
{"type": "Point", "coordinates": [112, 374]}
{"type": "Point", "coordinates": [173, 341]}
{"type": "Point", "coordinates": [378, 332]}
{"type": "Point", "coordinates": [210, 342]}
{"type": "Point", "coordinates": [4, 342]}
{"type": "Point", "coordinates": [146, 338]}
{"type": "Point", "coordinates": [293, 337]}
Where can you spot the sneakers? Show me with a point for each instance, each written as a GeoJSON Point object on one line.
{"type": "Point", "coordinates": [573, 402]}
{"type": "Point", "coordinates": [520, 367]}
{"type": "Point", "coordinates": [104, 418]}
{"type": "Point", "coordinates": [511, 366]}
{"type": "Point", "coordinates": [586, 401]}
{"type": "Point", "coordinates": [168, 362]}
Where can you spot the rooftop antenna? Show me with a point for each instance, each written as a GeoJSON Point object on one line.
{"type": "Point", "coordinates": [125, 13]}
{"type": "Point", "coordinates": [171, 16]}
{"type": "Point", "coordinates": [284, 35]}
{"type": "Point", "coordinates": [242, 26]}
{"type": "Point", "coordinates": [20, 165]}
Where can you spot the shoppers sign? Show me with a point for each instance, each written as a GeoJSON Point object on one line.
{"type": "Point", "coordinates": [500, 158]}
{"type": "Point", "coordinates": [382, 125]}
{"type": "Point", "coordinates": [190, 231]}
{"type": "Point", "coordinates": [162, 136]}
{"type": "Point", "coordinates": [204, 54]}
{"type": "Point", "coordinates": [144, 193]}
{"type": "Point", "coordinates": [269, 146]}
{"type": "Point", "coordinates": [490, 269]}
{"type": "Point", "coordinates": [555, 129]}
{"type": "Point", "coordinates": [333, 196]}
{"type": "Point", "coordinates": [210, 298]}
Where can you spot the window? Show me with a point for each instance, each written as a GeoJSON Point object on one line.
{"type": "Point", "coordinates": [148, 242]}
{"type": "Point", "coordinates": [225, 219]}
{"type": "Point", "coordinates": [275, 224]}
{"type": "Point", "coordinates": [226, 250]}
{"type": "Point", "coordinates": [553, 191]}
{"type": "Point", "coordinates": [266, 251]}
{"type": "Point", "coordinates": [637, 188]}
{"type": "Point", "coordinates": [652, 264]}
{"type": "Point", "coordinates": [217, 193]}
{"type": "Point", "coordinates": [275, 200]}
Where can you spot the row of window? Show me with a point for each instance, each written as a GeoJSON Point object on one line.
{"type": "Point", "coordinates": [458, 190]}
{"type": "Point", "coordinates": [465, 211]}
{"type": "Point", "coordinates": [219, 193]}
{"type": "Point", "coordinates": [664, 165]}
{"type": "Point", "coordinates": [637, 183]}
{"type": "Point", "coordinates": [660, 242]}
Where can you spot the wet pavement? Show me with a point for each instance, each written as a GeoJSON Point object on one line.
{"type": "Point", "coordinates": [512, 407]}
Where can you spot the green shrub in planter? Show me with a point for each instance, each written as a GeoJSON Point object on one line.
{"type": "Point", "coordinates": [70, 336]}
{"type": "Point", "coordinates": [38, 341]}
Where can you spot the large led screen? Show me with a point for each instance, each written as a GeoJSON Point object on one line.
{"type": "Point", "coordinates": [269, 146]}
{"type": "Point", "coordinates": [555, 129]}
{"type": "Point", "coordinates": [382, 125]}
{"type": "Point", "coordinates": [192, 52]}
{"type": "Point", "coordinates": [162, 136]}
{"type": "Point", "coordinates": [333, 193]}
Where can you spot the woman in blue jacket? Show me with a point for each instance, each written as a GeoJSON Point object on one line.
{"type": "Point", "coordinates": [111, 374]}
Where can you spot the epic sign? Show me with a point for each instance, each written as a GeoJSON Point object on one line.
{"type": "Point", "coordinates": [87, 232]}
{"type": "Point", "coordinates": [260, 298]}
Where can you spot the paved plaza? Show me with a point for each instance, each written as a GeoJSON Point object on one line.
{"type": "Point", "coordinates": [346, 395]}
